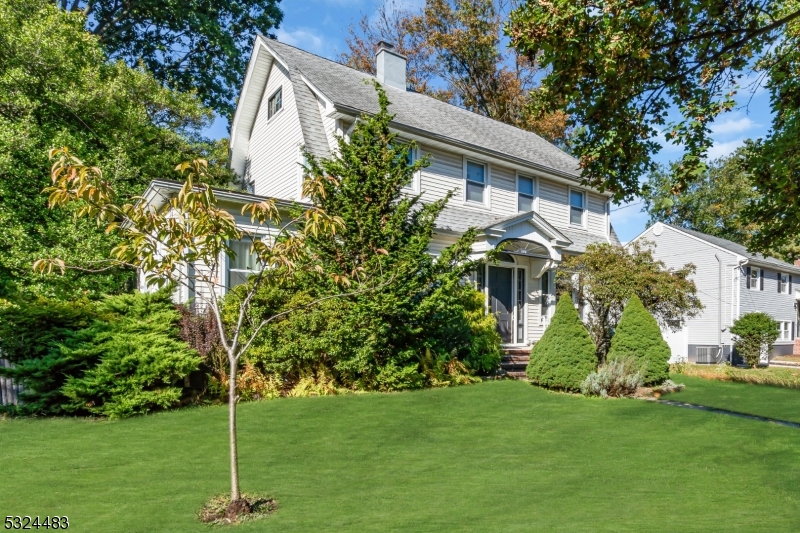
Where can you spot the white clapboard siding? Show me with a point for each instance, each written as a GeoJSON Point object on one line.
{"type": "Point", "coordinates": [553, 202]}
{"type": "Point", "coordinates": [504, 190]}
{"type": "Point", "coordinates": [444, 174]}
{"type": "Point", "coordinates": [275, 143]}
{"type": "Point", "coordinates": [329, 124]}
{"type": "Point", "coordinates": [596, 207]}
{"type": "Point", "coordinates": [676, 249]}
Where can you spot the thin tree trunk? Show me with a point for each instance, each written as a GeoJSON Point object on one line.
{"type": "Point", "coordinates": [232, 429]}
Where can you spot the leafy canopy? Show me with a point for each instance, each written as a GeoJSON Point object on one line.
{"type": "Point", "coordinates": [606, 277]}
{"type": "Point", "coordinates": [58, 88]}
{"type": "Point", "coordinates": [199, 46]}
{"type": "Point", "coordinates": [715, 204]}
{"type": "Point", "coordinates": [621, 70]}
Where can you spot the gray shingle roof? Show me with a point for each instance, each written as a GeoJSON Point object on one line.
{"type": "Point", "coordinates": [581, 239]}
{"type": "Point", "coordinates": [349, 88]}
{"type": "Point", "coordinates": [737, 249]}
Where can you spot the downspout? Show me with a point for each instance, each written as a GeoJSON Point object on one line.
{"type": "Point", "coordinates": [719, 305]}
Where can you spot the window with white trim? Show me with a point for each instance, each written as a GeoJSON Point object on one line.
{"type": "Point", "coordinates": [784, 283]}
{"type": "Point", "coordinates": [275, 103]}
{"type": "Point", "coordinates": [577, 207]}
{"type": "Point", "coordinates": [784, 331]}
{"type": "Point", "coordinates": [413, 186]}
{"type": "Point", "coordinates": [525, 194]}
{"type": "Point", "coordinates": [475, 182]}
{"type": "Point", "coordinates": [755, 279]}
{"type": "Point", "coordinates": [243, 264]}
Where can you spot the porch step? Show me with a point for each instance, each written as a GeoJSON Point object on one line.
{"type": "Point", "coordinates": [514, 362]}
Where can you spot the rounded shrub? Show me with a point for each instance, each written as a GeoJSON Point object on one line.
{"type": "Point", "coordinates": [639, 336]}
{"type": "Point", "coordinates": [565, 354]}
{"type": "Point", "coordinates": [755, 334]}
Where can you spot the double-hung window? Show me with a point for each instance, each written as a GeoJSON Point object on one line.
{"type": "Point", "coordinates": [243, 264]}
{"type": "Point", "coordinates": [576, 207]}
{"type": "Point", "coordinates": [524, 194]}
{"type": "Point", "coordinates": [783, 286]}
{"type": "Point", "coordinates": [275, 103]}
{"type": "Point", "coordinates": [784, 331]}
{"type": "Point", "coordinates": [476, 182]}
{"type": "Point", "coordinates": [755, 279]}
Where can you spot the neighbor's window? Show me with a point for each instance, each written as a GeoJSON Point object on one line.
{"type": "Point", "coordinates": [784, 283]}
{"type": "Point", "coordinates": [524, 194]}
{"type": "Point", "coordinates": [784, 331]}
{"type": "Point", "coordinates": [754, 279]}
{"type": "Point", "coordinates": [476, 181]}
{"type": "Point", "coordinates": [275, 103]}
{"type": "Point", "coordinates": [576, 207]}
{"type": "Point", "coordinates": [243, 265]}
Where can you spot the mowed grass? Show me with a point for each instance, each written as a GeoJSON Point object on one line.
{"type": "Point", "coordinates": [761, 400]}
{"type": "Point", "coordinates": [495, 457]}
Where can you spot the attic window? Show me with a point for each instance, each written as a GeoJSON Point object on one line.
{"type": "Point", "coordinates": [275, 103]}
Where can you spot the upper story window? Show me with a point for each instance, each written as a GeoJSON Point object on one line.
{"type": "Point", "coordinates": [275, 103]}
{"type": "Point", "coordinates": [524, 194]}
{"type": "Point", "coordinates": [243, 265]}
{"type": "Point", "coordinates": [576, 207]}
{"type": "Point", "coordinates": [783, 283]}
{"type": "Point", "coordinates": [476, 182]}
{"type": "Point", "coordinates": [755, 280]}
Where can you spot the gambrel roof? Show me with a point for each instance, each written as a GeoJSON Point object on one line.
{"type": "Point", "coordinates": [351, 92]}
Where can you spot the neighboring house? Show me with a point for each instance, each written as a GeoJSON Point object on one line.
{"type": "Point", "coordinates": [518, 189]}
{"type": "Point", "coordinates": [730, 282]}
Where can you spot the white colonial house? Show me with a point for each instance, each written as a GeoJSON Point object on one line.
{"type": "Point", "coordinates": [517, 188]}
{"type": "Point", "coordinates": [730, 282]}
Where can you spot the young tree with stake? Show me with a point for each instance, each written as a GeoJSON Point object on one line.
{"type": "Point", "coordinates": [192, 229]}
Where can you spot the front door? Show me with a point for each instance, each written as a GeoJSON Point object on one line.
{"type": "Point", "coordinates": [501, 300]}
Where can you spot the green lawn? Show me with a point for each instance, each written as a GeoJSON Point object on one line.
{"type": "Point", "coordinates": [761, 400]}
{"type": "Point", "coordinates": [496, 457]}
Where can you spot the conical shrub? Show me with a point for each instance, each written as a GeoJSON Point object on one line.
{"type": "Point", "coordinates": [565, 354]}
{"type": "Point", "coordinates": [639, 336]}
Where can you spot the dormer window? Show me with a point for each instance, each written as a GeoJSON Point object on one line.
{"type": "Point", "coordinates": [576, 207]}
{"type": "Point", "coordinates": [275, 103]}
{"type": "Point", "coordinates": [524, 194]}
{"type": "Point", "coordinates": [476, 182]}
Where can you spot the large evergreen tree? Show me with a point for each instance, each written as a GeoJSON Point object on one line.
{"type": "Point", "coordinates": [639, 336]}
{"type": "Point", "coordinates": [421, 315]}
{"type": "Point", "coordinates": [565, 354]}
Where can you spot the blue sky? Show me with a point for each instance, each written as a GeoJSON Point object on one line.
{"type": "Point", "coordinates": [320, 26]}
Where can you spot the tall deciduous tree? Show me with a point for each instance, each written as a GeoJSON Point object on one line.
{"type": "Point", "coordinates": [606, 277]}
{"type": "Point", "coordinates": [456, 54]}
{"type": "Point", "coordinates": [57, 87]}
{"type": "Point", "coordinates": [619, 69]}
{"type": "Point", "coordinates": [201, 46]}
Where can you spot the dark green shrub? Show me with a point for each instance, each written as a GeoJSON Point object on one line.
{"type": "Point", "coordinates": [639, 336]}
{"type": "Point", "coordinates": [141, 361]}
{"type": "Point", "coordinates": [755, 334]}
{"type": "Point", "coordinates": [33, 334]}
{"type": "Point", "coordinates": [565, 354]}
{"type": "Point", "coordinates": [116, 357]}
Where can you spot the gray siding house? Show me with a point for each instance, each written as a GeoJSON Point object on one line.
{"type": "Point", "coordinates": [730, 282]}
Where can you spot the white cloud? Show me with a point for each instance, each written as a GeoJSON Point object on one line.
{"type": "Point", "coordinates": [305, 38]}
{"type": "Point", "coordinates": [733, 125]}
{"type": "Point", "coordinates": [723, 149]}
